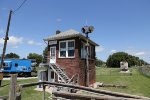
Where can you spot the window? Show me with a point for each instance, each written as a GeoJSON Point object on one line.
{"type": "Point", "coordinates": [16, 64]}
{"type": "Point", "coordinates": [84, 51]}
{"type": "Point", "coordinates": [70, 48]}
{"type": "Point", "coordinates": [52, 74]}
{"type": "Point", "coordinates": [63, 49]}
{"type": "Point", "coordinates": [66, 48]}
{"type": "Point", "coordinates": [5, 64]}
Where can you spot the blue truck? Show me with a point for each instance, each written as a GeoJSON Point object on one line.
{"type": "Point", "coordinates": [23, 67]}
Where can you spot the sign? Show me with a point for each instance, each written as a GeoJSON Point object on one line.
{"type": "Point", "coordinates": [52, 42]}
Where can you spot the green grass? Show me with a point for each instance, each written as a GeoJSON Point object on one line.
{"type": "Point", "coordinates": [137, 84]}
{"type": "Point", "coordinates": [27, 93]}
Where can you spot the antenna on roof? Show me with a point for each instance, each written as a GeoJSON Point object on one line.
{"type": "Point", "coordinates": [86, 22]}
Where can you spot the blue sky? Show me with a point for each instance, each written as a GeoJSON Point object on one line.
{"type": "Point", "coordinates": [120, 25]}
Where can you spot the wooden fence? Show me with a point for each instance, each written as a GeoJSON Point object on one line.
{"type": "Point", "coordinates": [103, 94]}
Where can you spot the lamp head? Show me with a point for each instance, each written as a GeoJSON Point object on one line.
{"type": "Point", "coordinates": [91, 29]}
{"type": "Point", "coordinates": [87, 29]}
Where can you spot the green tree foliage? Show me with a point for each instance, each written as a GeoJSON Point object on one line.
{"type": "Point", "coordinates": [115, 59]}
{"type": "Point", "coordinates": [99, 62]}
{"type": "Point", "coordinates": [45, 54]}
{"type": "Point", "coordinates": [12, 55]}
{"type": "Point", "coordinates": [35, 56]}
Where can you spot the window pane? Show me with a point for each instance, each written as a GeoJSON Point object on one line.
{"type": "Point", "coordinates": [62, 44]}
{"type": "Point", "coordinates": [70, 44]}
{"type": "Point", "coordinates": [70, 53]}
{"type": "Point", "coordinates": [52, 74]}
{"type": "Point", "coordinates": [52, 52]}
{"type": "Point", "coordinates": [70, 48]}
{"type": "Point", "coordinates": [62, 53]}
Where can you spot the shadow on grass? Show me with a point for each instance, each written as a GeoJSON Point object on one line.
{"type": "Point", "coordinates": [4, 85]}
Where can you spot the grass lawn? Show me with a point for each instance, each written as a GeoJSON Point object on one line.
{"type": "Point", "coordinates": [27, 94]}
{"type": "Point", "coordinates": [137, 84]}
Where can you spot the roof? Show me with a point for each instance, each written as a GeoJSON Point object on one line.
{"type": "Point", "coordinates": [69, 34]}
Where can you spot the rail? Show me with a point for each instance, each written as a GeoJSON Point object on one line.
{"type": "Point", "coordinates": [88, 89]}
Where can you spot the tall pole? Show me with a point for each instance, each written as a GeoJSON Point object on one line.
{"type": "Point", "coordinates": [5, 39]}
{"type": "Point", "coordinates": [87, 61]}
{"type": "Point", "coordinates": [87, 30]}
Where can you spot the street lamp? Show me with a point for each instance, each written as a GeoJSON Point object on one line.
{"type": "Point", "coordinates": [86, 30]}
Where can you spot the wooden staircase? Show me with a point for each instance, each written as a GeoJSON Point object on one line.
{"type": "Point", "coordinates": [60, 72]}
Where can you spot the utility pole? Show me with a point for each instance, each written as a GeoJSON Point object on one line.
{"type": "Point", "coordinates": [5, 39]}
{"type": "Point", "coordinates": [86, 30]}
{"type": "Point", "coordinates": [4, 48]}
{"type": "Point", "coordinates": [87, 62]}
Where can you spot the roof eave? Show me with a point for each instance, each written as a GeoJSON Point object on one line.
{"type": "Point", "coordinates": [77, 35]}
{"type": "Point", "coordinates": [84, 38]}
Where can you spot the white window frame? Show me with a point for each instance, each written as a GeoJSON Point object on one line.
{"type": "Point", "coordinates": [66, 41]}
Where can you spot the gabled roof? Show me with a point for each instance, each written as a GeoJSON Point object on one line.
{"type": "Point", "coordinates": [69, 34]}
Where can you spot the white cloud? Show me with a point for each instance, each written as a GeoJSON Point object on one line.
{"type": "Point", "coordinates": [139, 54]}
{"type": "Point", "coordinates": [31, 42]}
{"type": "Point", "coordinates": [12, 40]}
{"type": "Point", "coordinates": [99, 49]}
{"type": "Point", "coordinates": [135, 52]}
{"type": "Point", "coordinates": [15, 40]}
{"type": "Point", "coordinates": [113, 51]}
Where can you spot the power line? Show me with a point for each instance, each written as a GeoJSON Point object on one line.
{"type": "Point", "coordinates": [19, 6]}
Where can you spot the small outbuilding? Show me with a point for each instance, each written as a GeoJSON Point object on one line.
{"type": "Point", "coordinates": [67, 57]}
{"type": "Point", "coordinates": [124, 66]}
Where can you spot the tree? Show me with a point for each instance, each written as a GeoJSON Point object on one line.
{"type": "Point", "coordinates": [12, 55]}
{"type": "Point", "coordinates": [115, 59]}
{"type": "Point", "coordinates": [35, 56]}
{"type": "Point", "coordinates": [99, 62]}
{"type": "Point", "coordinates": [45, 54]}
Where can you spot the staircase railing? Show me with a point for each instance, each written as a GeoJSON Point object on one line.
{"type": "Point", "coordinates": [60, 72]}
{"type": "Point", "coordinates": [74, 79]}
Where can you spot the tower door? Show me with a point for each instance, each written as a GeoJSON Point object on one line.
{"type": "Point", "coordinates": [51, 75]}
{"type": "Point", "coordinates": [53, 54]}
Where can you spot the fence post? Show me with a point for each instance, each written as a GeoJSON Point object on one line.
{"type": "Point", "coordinates": [18, 97]}
{"type": "Point", "coordinates": [43, 92]}
{"type": "Point", "coordinates": [12, 89]}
